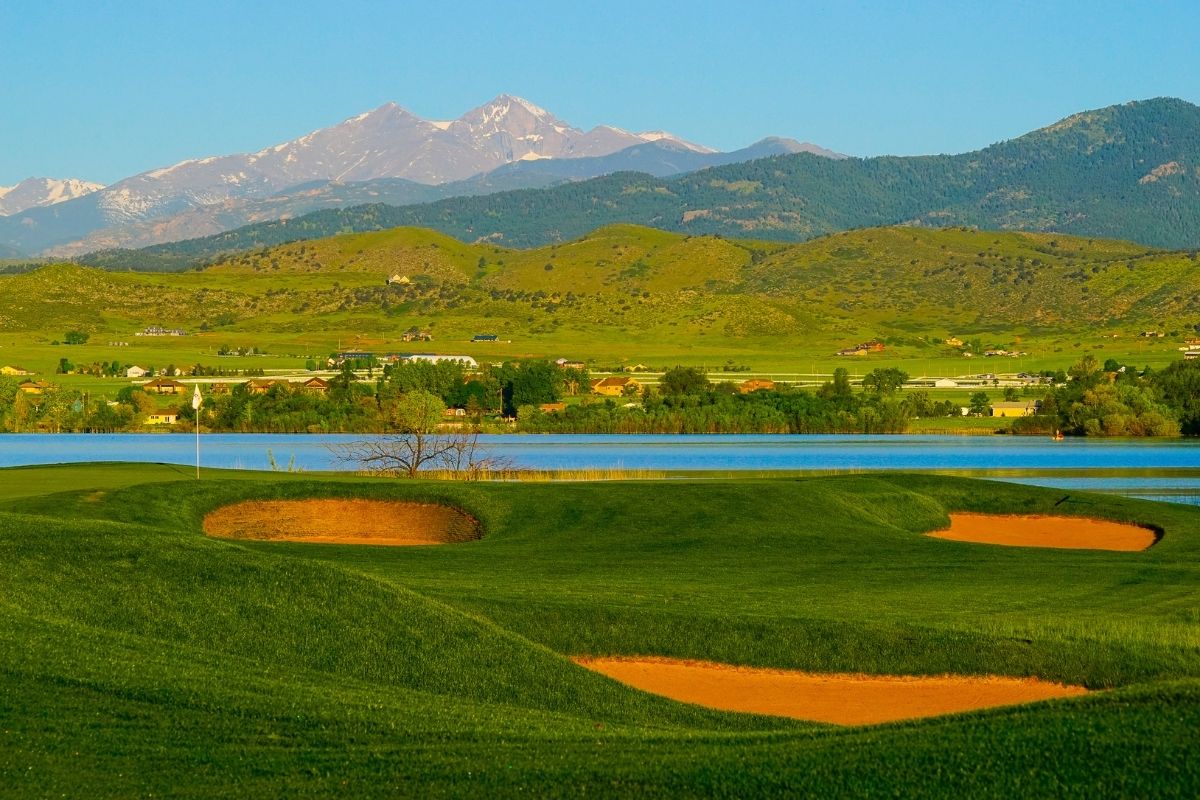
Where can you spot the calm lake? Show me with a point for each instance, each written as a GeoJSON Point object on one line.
{"type": "Point", "coordinates": [1160, 469]}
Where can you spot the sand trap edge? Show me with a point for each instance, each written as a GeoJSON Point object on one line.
{"type": "Point", "coordinates": [1049, 531]}
{"type": "Point", "coordinates": [373, 522]}
{"type": "Point", "coordinates": [837, 698]}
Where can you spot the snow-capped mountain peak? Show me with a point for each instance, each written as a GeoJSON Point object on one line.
{"type": "Point", "coordinates": [505, 103]}
{"type": "Point", "coordinates": [504, 112]}
{"type": "Point", "coordinates": [39, 192]}
{"type": "Point", "coordinates": [665, 136]}
{"type": "Point", "coordinates": [386, 142]}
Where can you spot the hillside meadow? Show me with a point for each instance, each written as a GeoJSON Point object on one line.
{"type": "Point", "coordinates": [140, 657]}
{"type": "Point", "coordinates": [625, 295]}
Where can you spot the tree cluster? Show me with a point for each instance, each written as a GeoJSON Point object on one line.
{"type": "Point", "coordinates": [1121, 402]}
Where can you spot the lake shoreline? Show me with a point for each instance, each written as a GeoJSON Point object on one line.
{"type": "Point", "coordinates": [1163, 468]}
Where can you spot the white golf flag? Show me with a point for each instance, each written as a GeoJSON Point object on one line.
{"type": "Point", "coordinates": [196, 399]}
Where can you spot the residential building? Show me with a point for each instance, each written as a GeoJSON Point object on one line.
{"type": "Point", "coordinates": [1019, 408]}
{"type": "Point", "coordinates": [756, 385]}
{"type": "Point", "coordinates": [873, 346]}
{"type": "Point", "coordinates": [615, 386]}
{"type": "Point", "coordinates": [563, 363]}
{"type": "Point", "coordinates": [164, 386]}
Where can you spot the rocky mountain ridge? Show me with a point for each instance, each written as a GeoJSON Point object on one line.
{"type": "Point", "coordinates": [388, 142]}
{"type": "Point", "coordinates": [42, 192]}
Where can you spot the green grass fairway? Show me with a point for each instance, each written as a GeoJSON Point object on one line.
{"type": "Point", "coordinates": [139, 658]}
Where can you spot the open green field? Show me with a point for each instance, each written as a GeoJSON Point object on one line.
{"type": "Point", "coordinates": [140, 658]}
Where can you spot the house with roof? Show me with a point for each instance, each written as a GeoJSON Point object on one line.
{"type": "Point", "coordinates": [14, 372]}
{"type": "Point", "coordinates": [615, 386]}
{"type": "Point", "coordinates": [563, 363]}
{"type": "Point", "coordinates": [338, 359]}
{"type": "Point", "coordinates": [34, 387]}
{"type": "Point", "coordinates": [168, 417]}
{"type": "Point", "coordinates": [756, 385]}
{"type": "Point", "coordinates": [136, 372]}
{"type": "Point", "coordinates": [945, 383]}
{"type": "Point", "coordinates": [315, 384]}
{"type": "Point", "coordinates": [1017, 408]}
{"type": "Point", "coordinates": [164, 386]}
{"type": "Point", "coordinates": [261, 385]}
{"type": "Point", "coordinates": [863, 348]}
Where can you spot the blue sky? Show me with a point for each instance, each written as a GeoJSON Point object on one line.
{"type": "Point", "coordinates": [102, 89]}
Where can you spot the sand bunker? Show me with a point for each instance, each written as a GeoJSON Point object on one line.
{"type": "Point", "coordinates": [838, 698]}
{"type": "Point", "coordinates": [377, 522]}
{"type": "Point", "coordinates": [1071, 533]}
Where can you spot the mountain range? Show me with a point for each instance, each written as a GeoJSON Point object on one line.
{"type": "Point", "coordinates": [42, 192]}
{"type": "Point", "coordinates": [659, 158]}
{"type": "Point", "coordinates": [1128, 171]}
{"type": "Point", "coordinates": [387, 144]}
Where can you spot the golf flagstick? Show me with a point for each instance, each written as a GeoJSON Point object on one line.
{"type": "Point", "coordinates": [197, 401]}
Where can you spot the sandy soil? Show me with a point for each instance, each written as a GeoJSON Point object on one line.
{"type": "Point", "coordinates": [838, 698]}
{"type": "Point", "coordinates": [1072, 533]}
{"type": "Point", "coordinates": [376, 522]}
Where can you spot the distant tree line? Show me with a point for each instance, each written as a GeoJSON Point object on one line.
{"type": "Point", "coordinates": [1092, 400]}
{"type": "Point", "coordinates": [686, 401]}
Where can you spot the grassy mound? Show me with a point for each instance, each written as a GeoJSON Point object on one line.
{"type": "Point", "coordinates": [139, 657]}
